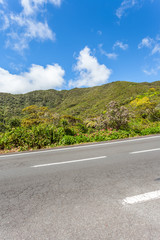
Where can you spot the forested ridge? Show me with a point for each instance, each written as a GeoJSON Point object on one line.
{"type": "Point", "coordinates": [53, 118]}
{"type": "Point", "coordinates": [84, 102]}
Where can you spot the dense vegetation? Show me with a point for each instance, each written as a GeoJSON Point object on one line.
{"type": "Point", "coordinates": [51, 118]}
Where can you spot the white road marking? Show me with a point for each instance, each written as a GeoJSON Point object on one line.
{"type": "Point", "coordinates": [77, 147]}
{"type": "Point", "coordinates": [142, 198]}
{"type": "Point", "coordinates": [73, 161]}
{"type": "Point", "coordinates": [148, 150]}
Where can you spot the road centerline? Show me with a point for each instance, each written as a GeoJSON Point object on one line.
{"type": "Point", "coordinates": [67, 162]}
{"type": "Point", "coordinates": [145, 151]}
{"type": "Point", "coordinates": [142, 198]}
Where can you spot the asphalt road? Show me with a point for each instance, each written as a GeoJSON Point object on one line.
{"type": "Point", "coordinates": [92, 192]}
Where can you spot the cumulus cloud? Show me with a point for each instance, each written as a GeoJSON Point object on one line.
{"type": "Point", "coordinates": [90, 72]}
{"type": "Point", "coordinates": [109, 55]}
{"type": "Point", "coordinates": [120, 45]}
{"type": "Point", "coordinates": [38, 77]}
{"type": "Point", "coordinates": [26, 24]}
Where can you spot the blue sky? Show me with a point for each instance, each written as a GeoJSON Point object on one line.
{"type": "Point", "coordinates": [63, 44]}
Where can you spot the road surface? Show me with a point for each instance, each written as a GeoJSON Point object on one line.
{"type": "Point", "coordinates": [102, 191]}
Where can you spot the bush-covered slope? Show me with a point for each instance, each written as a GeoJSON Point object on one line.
{"type": "Point", "coordinates": [81, 102]}
{"type": "Point", "coordinates": [112, 111]}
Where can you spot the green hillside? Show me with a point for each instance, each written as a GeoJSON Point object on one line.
{"type": "Point", "coordinates": [112, 111]}
{"type": "Point", "coordinates": [83, 102]}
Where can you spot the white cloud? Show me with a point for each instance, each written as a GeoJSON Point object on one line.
{"type": "Point", "coordinates": [4, 21]}
{"type": "Point", "coordinates": [90, 72]}
{"type": "Point", "coordinates": [153, 44]}
{"type": "Point", "coordinates": [56, 2]}
{"type": "Point", "coordinates": [33, 29]}
{"type": "Point", "coordinates": [39, 30]}
{"type": "Point", "coordinates": [109, 55]}
{"type": "Point", "coordinates": [26, 30]}
{"type": "Point", "coordinates": [156, 49]}
{"type": "Point", "coordinates": [24, 27]}
{"type": "Point", "coordinates": [36, 78]}
{"type": "Point", "coordinates": [1, 1]}
{"type": "Point", "coordinates": [125, 5]}
{"type": "Point", "coordinates": [30, 6]}
{"type": "Point", "coordinates": [120, 45]}
{"type": "Point", "coordinates": [152, 71]}
{"type": "Point", "coordinates": [146, 42]}
{"type": "Point", "coordinates": [128, 4]}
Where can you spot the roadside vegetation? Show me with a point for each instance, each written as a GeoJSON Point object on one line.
{"type": "Point", "coordinates": [39, 127]}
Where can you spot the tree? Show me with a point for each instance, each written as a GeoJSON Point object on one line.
{"type": "Point", "coordinates": [35, 115]}
{"type": "Point", "coordinates": [117, 116]}
{"type": "Point", "coordinates": [143, 107]}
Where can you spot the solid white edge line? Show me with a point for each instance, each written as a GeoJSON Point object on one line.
{"type": "Point", "coordinates": [67, 162]}
{"type": "Point", "coordinates": [142, 198]}
{"type": "Point", "coordinates": [74, 147]}
{"type": "Point", "coordinates": [143, 151]}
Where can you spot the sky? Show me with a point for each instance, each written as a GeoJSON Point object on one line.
{"type": "Point", "coordinates": [64, 44]}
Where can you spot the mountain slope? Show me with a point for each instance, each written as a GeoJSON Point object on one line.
{"type": "Point", "coordinates": [81, 102]}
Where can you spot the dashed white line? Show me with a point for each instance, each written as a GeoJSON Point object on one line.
{"type": "Point", "coordinates": [142, 198]}
{"type": "Point", "coordinates": [144, 151]}
{"type": "Point", "coordinates": [67, 162]}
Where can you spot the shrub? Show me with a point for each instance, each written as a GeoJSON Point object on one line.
{"type": "Point", "coordinates": [82, 128]}
{"type": "Point", "coordinates": [14, 122]}
{"type": "Point", "coordinates": [64, 122]}
{"type": "Point", "coordinates": [2, 127]}
{"type": "Point", "coordinates": [82, 138]}
{"type": "Point", "coordinates": [68, 140]}
{"type": "Point", "coordinates": [152, 130]}
{"type": "Point", "coordinates": [69, 131]}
